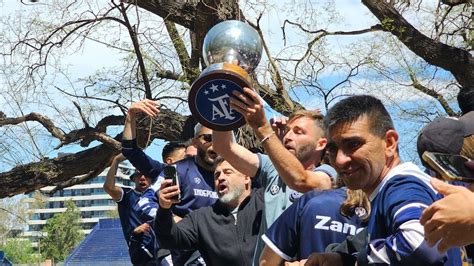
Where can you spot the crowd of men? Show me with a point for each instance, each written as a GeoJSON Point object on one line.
{"type": "Point", "coordinates": [327, 190]}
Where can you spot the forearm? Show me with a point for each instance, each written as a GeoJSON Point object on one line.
{"type": "Point", "coordinates": [109, 184]}
{"type": "Point", "coordinates": [129, 130]}
{"type": "Point", "coordinates": [140, 160]}
{"type": "Point", "coordinates": [169, 234]}
{"type": "Point", "coordinates": [287, 165]}
{"type": "Point", "coordinates": [238, 156]}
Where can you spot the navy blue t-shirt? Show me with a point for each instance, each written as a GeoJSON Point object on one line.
{"type": "Point", "coordinates": [196, 184]}
{"type": "Point", "coordinates": [310, 224]}
{"type": "Point", "coordinates": [142, 247]}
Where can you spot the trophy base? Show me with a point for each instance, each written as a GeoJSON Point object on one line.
{"type": "Point", "coordinates": [209, 96]}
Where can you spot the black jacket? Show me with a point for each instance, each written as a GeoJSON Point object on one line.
{"type": "Point", "coordinates": [214, 232]}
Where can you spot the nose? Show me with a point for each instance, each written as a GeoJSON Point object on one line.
{"type": "Point", "coordinates": [289, 136]}
{"type": "Point", "coordinates": [342, 159]}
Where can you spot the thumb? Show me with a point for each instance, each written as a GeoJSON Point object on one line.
{"type": "Point", "coordinates": [443, 187]}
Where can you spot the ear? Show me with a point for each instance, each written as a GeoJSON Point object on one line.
{"type": "Point", "coordinates": [247, 180]}
{"type": "Point", "coordinates": [321, 144]}
{"type": "Point", "coordinates": [168, 160]}
{"type": "Point", "coordinates": [391, 143]}
{"type": "Point", "coordinates": [195, 141]}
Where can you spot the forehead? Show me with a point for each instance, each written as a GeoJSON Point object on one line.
{"type": "Point", "coordinates": [344, 130]}
{"type": "Point", "coordinates": [225, 165]}
{"type": "Point", "coordinates": [301, 122]}
{"type": "Point", "coordinates": [205, 130]}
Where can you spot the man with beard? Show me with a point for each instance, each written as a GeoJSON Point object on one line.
{"type": "Point", "coordinates": [195, 173]}
{"type": "Point", "coordinates": [291, 167]}
{"type": "Point", "coordinates": [226, 232]}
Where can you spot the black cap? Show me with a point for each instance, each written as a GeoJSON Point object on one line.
{"type": "Point", "coordinates": [446, 134]}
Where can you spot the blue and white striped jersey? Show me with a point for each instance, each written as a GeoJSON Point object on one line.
{"type": "Point", "coordinates": [395, 234]}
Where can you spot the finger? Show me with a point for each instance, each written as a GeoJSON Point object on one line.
{"type": "Point", "coordinates": [149, 110]}
{"type": "Point", "coordinates": [242, 97]}
{"type": "Point", "coordinates": [165, 183]}
{"type": "Point", "coordinates": [428, 213]}
{"type": "Point", "coordinates": [430, 224]}
{"type": "Point", "coordinates": [433, 236]}
{"type": "Point", "coordinates": [170, 195]}
{"type": "Point", "coordinates": [443, 246]}
{"type": "Point", "coordinates": [253, 96]}
{"type": "Point", "coordinates": [444, 188]}
{"type": "Point", "coordinates": [242, 108]}
{"type": "Point", "coordinates": [153, 105]}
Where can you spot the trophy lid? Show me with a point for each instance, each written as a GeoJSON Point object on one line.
{"type": "Point", "coordinates": [233, 41]}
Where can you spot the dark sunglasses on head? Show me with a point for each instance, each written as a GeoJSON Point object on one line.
{"type": "Point", "coordinates": [206, 137]}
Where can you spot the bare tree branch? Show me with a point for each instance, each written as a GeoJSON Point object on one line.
{"type": "Point", "coordinates": [458, 61]}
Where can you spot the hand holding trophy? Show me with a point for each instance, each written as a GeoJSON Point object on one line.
{"type": "Point", "coordinates": [231, 50]}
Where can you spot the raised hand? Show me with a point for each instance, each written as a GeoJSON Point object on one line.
{"type": "Point", "coordinates": [166, 194]}
{"type": "Point", "coordinates": [250, 106]}
{"type": "Point", "coordinates": [449, 221]}
{"type": "Point", "coordinates": [146, 106]}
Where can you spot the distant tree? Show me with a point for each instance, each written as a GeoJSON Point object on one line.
{"type": "Point", "coordinates": [62, 233]}
{"type": "Point", "coordinates": [19, 251]}
{"type": "Point", "coordinates": [13, 215]}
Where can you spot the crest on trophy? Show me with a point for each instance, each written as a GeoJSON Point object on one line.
{"type": "Point", "coordinates": [232, 49]}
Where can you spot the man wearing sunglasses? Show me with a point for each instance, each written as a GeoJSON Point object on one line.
{"type": "Point", "coordinates": [195, 174]}
{"type": "Point", "coordinates": [293, 162]}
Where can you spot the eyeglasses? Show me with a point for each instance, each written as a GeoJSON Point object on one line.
{"type": "Point", "coordinates": [206, 137]}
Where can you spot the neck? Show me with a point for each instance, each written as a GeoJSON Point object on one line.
{"type": "Point", "coordinates": [389, 165]}
{"type": "Point", "coordinates": [203, 164]}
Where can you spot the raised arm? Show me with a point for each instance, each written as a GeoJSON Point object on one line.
{"type": "Point", "coordinates": [109, 185]}
{"type": "Point", "coordinates": [237, 155]}
{"type": "Point", "coordinates": [130, 150]}
{"type": "Point", "coordinates": [288, 166]}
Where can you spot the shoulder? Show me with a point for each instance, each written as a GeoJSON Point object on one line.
{"type": "Point", "coordinates": [323, 197]}
{"type": "Point", "coordinates": [326, 168]}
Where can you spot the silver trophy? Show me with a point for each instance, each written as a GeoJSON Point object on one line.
{"type": "Point", "coordinates": [231, 50]}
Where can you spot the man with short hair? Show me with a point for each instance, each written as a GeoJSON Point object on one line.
{"type": "Point", "coordinates": [173, 151]}
{"type": "Point", "coordinates": [289, 168]}
{"type": "Point", "coordinates": [195, 174]}
{"type": "Point", "coordinates": [363, 148]}
{"type": "Point", "coordinates": [224, 233]}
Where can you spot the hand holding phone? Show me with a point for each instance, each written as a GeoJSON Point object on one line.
{"type": "Point", "coordinates": [451, 167]}
{"type": "Point", "coordinates": [169, 172]}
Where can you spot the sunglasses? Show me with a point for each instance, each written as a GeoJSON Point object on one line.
{"type": "Point", "coordinates": [206, 137]}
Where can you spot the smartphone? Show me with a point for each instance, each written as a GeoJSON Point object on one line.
{"type": "Point", "coordinates": [169, 172]}
{"type": "Point", "coordinates": [450, 166]}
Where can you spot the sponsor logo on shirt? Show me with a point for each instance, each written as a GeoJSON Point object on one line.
{"type": "Point", "coordinates": [197, 180]}
{"type": "Point", "coordinates": [274, 189]}
{"type": "Point", "coordinates": [295, 195]}
{"type": "Point", "coordinates": [205, 193]}
{"type": "Point", "coordinates": [326, 223]}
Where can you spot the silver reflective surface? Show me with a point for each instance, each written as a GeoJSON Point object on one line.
{"type": "Point", "coordinates": [233, 41]}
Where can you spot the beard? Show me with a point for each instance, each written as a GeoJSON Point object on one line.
{"type": "Point", "coordinates": [205, 158]}
{"type": "Point", "coordinates": [233, 194]}
{"type": "Point", "coordinates": [305, 152]}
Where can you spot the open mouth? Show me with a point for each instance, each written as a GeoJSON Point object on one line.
{"type": "Point", "coordinates": [222, 188]}
{"type": "Point", "coordinates": [212, 154]}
